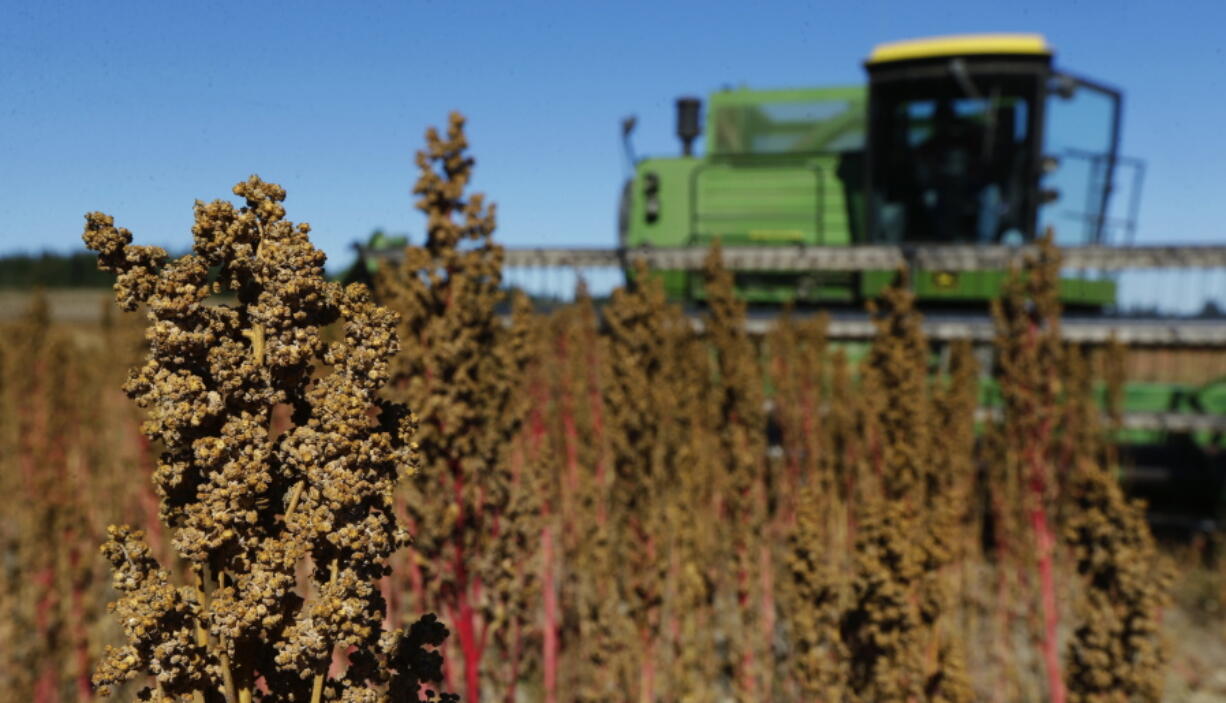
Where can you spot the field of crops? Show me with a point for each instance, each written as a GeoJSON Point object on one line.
{"type": "Point", "coordinates": [596, 504]}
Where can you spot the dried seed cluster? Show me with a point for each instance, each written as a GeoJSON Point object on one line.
{"type": "Point", "coordinates": [1117, 651]}
{"type": "Point", "coordinates": [249, 506]}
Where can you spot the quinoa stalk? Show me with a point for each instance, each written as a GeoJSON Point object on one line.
{"type": "Point", "coordinates": [743, 449]}
{"type": "Point", "coordinates": [1028, 344]}
{"type": "Point", "coordinates": [887, 627]}
{"type": "Point", "coordinates": [213, 377]}
{"type": "Point", "coordinates": [461, 368]}
{"type": "Point", "coordinates": [643, 412]}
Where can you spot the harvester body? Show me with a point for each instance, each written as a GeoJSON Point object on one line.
{"type": "Point", "coordinates": [955, 140]}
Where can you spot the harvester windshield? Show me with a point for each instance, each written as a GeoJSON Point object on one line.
{"type": "Point", "coordinates": [783, 122]}
{"type": "Point", "coordinates": [1082, 130]}
{"type": "Point", "coordinates": [953, 162]}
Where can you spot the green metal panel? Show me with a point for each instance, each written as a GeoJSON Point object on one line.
{"type": "Point", "coordinates": [1138, 397]}
{"type": "Point", "coordinates": [970, 286]}
{"type": "Point", "coordinates": [765, 204]}
{"type": "Point", "coordinates": [762, 287]}
{"type": "Point", "coordinates": [1212, 397]}
{"type": "Point", "coordinates": [1087, 291]}
{"type": "Point", "coordinates": [778, 123]}
{"type": "Point", "coordinates": [755, 96]}
{"type": "Point", "coordinates": [780, 184]}
{"type": "Point", "coordinates": [757, 205]}
{"type": "Point", "coordinates": [671, 228]}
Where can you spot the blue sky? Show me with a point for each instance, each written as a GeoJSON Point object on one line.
{"type": "Point", "coordinates": [138, 109]}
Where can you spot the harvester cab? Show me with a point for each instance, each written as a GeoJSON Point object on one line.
{"type": "Point", "coordinates": [979, 140]}
{"type": "Point", "coordinates": [973, 140]}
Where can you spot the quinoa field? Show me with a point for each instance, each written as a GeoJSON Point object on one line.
{"type": "Point", "coordinates": [235, 480]}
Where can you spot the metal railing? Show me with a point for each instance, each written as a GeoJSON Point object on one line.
{"type": "Point", "coordinates": [869, 257]}
{"type": "Point", "coordinates": [1166, 295]}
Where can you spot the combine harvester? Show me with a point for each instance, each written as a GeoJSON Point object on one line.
{"type": "Point", "coordinates": [957, 155]}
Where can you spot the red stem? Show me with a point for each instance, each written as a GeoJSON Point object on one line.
{"type": "Point", "coordinates": [1004, 619]}
{"type": "Point", "coordinates": [1040, 483]}
{"type": "Point", "coordinates": [1051, 617]}
{"type": "Point", "coordinates": [466, 630]}
{"type": "Point", "coordinates": [647, 679]}
{"type": "Point", "coordinates": [550, 644]}
{"type": "Point", "coordinates": [465, 620]}
{"type": "Point", "coordinates": [745, 675]}
{"type": "Point", "coordinates": [768, 609]}
{"type": "Point", "coordinates": [418, 583]}
{"type": "Point", "coordinates": [515, 656]}
{"type": "Point", "coordinates": [44, 688]}
{"type": "Point", "coordinates": [1045, 546]}
{"type": "Point", "coordinates": [149, 500]}
{"type": "Point", "coordinates": [81, 633]}
{"type": "Point", "coordinates": [391, 596]}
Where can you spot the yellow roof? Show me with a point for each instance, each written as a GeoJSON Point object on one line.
{"type": "Point", "coordinates": [959, 45]}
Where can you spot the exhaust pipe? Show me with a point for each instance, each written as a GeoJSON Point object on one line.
{"type": "Point", "coordinates": [688, 125]}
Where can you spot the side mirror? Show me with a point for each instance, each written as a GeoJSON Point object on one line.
{"type": "Point", "coordinates": [1064, 86]}
{"type": "Point", "coordinates": [628, 125]}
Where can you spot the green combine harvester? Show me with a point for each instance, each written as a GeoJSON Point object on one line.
{"type": "Point", "coordinates": [973, 140]}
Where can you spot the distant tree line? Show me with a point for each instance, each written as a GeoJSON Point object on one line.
{"type": "Point", "coordinates": [52, 270]}
{"type": "Point", "coordinates": [58, 270]}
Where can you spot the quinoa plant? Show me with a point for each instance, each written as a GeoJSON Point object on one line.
{"type": "Point", "coordinates": [249, 506]}
{"type": "Point", "coordinates": [1114, 372]}
{"type": "Point", "coordinates": [953, 479]}
{"type": "Point", "coordinates": [47, 580]}
{"type": "Point", "coordinates": [956, 499]}
{"type": "Point", "coordinates": [740, 398]}
{"type": "Point", "coordinates": [691, 598]}
{"type": "Point", "coordinates": [460, 371]}
{"type": "Point", "coordinates": [901, 581]}
{"type": "Point", "coordinates": [1117, 651]}
{"type": "Point", "coordinates": [643, 415]}
{"type": "Point", "coordinates": [846, 456]}
{"type": "Point", "coordinates": [881, 627]}
{"type": "Point", "coordinates": [1082, 437]}
{"type": "Point", "coordinates": [817, 590]}
{"type": "Point", "coordinates": [798, 377]}
{"type": "Point", "coordinates": [512, 566]}
{"type": "Point", "coordinates": [949, 524]}
{"type": "Point", "coordinates": [592, 631]}
{"type": "Point", "coordinates": [1029, 350]}
{"type": "Point", "coordinates": [896, 372]}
